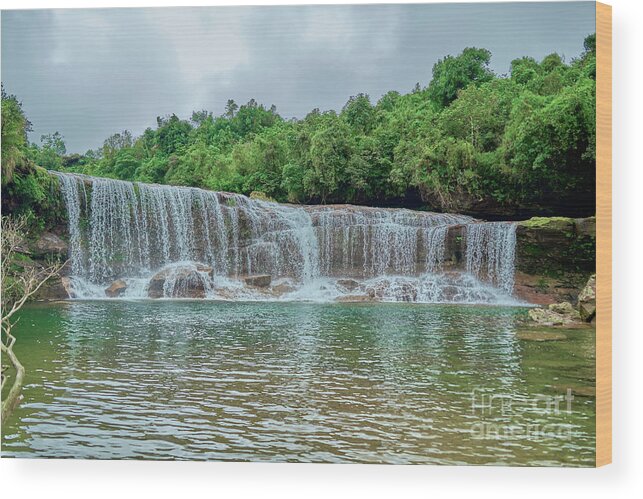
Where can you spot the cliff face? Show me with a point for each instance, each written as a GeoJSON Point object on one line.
{"type": "Point", "coordinates": [554, 258]}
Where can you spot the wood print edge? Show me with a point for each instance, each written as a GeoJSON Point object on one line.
{"type": "Point", "coordinates": [603, 234]}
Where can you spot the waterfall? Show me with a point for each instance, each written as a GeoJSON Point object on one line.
{"type": "Point", "coordinates": [372, 242]}
{"type": "Point", "coordinates": [167, 241]}
{"type": "Point", "coordinates": [71, 190]}
{"type": "Point", "coordinates": [490, 253]}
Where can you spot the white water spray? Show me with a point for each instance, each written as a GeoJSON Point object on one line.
{"type": "Point", "coordinates": [172, 242]}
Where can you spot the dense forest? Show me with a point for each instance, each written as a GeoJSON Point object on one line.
{"type": "Point", "coordinates": [470, 141]}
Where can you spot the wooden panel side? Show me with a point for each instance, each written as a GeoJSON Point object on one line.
{"type": "Point", "coordinates": [603, 234]}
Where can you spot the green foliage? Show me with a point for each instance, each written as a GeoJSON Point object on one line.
{"type": "Point", "coordinates": [14, 136]}
{"type": "Point", "coordinates": [452, 74]}
{"type": "Point", "coordinates": [469, 137]}
{"type": "Point", "coordinates": [261, 196]}
{"type": "Point", "coordinates": [32, 194]}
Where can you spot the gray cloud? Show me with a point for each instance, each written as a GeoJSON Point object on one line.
{"type": "Point", "coordinates": [91, 72]}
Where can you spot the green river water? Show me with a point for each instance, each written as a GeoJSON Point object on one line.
{"type": "Point", "coordinates": [300, 382]}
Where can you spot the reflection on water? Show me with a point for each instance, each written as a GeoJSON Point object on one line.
{"type": "Point", "coordinates": [377, 383]}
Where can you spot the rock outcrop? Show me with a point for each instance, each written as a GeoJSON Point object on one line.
{"type": "Point", "coordinates": [554, 257]}
{"type": "Point", "coordinates": [56, 288]}
{"type": "Point", "coordinates": [49, 245]}
{"type": "Point", "coordinates": [258, 281]}
{"type": "Point", "coordinates": [587, 300]}
{"type": "Point", "coordinates": [348, 284]}
{"type": "Point", "coordinates": [187, 281]}
{"type": "Point", "coordinates": [282, 289]}
{"type": "Point", "coordinates": [117, 288]}
{"type": "Point", "coordinates": [556, 314]}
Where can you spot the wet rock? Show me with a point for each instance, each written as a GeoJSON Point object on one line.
{"type": "Point", "coordinates": [66, 284]}
{"type": "Point", "coordinates": [587, 300]}
{"type": "Point", "coordinates": [545, 317]}
{"type": "Point", "coordinates": [188, 281]}
{"type": "Point", "coordinates": [66, 269]}
{"type": "Point", "coordinates": [155, 287]}
{"type": "Point", "coordinates": [283, 288]}
{"type": "Point", "coordinates": [56, 288]}
{"type": "Point", "coordinates": [355, 299]}
{"type": "Point", "coordinates": [564, 308]}
{"type": "Point", "coordinates": [117, 288]}
{"type": "Point", "coordinates": [206, 269]}
{"type": "Point", "coordinates": [401, 291]}
{"type": "Point", "coordinates": [50, 244]}
{"type": "Point", "coordinates": [349, 284]}
{"type": "Point", "coordinates": [258, 281]}
{"type": "Point", "coordinates": [261, 196]}
{"type": "Point", "coordinates": [557, 314]}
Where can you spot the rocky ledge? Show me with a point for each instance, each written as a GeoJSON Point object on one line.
{"type": "Point", "coordinates": [554, 258]}
{"type": "Point", "coordinates": [564, 313]}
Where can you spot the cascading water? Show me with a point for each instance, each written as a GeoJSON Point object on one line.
{"type": "Point", "coordinates": [490, 253]}
{"type": "Point", "coordinates": [136, 240]}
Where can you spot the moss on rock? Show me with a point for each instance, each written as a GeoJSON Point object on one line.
{"type": "Point", "coordinates": [550, 223]}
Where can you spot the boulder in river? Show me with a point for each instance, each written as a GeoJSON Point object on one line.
{"type": "Point", "coordinates": [185, 281]}
{"type": "Point", "coordinates": [349, 284]}
{"type": "Point", "coordinates": [56, 288]}
{"type": "Point", "coordinates": [385, 289]}
{"type": "Point", "coordinates": [355, 299]}
{"type": "Point", "coordinates": [283, 288]}
{"type": "Point", "coordinates": [556, 314]}
{"type": "Point", "coordinates": [258, 281]}
{"type": "Point", "coordinates": [117, 288]}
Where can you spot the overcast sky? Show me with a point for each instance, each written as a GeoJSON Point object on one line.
{"type": "Point", "coordinates": [89, 73]}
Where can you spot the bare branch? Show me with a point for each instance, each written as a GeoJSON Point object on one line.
{"type": "Point", "coordinates": [18, 285]}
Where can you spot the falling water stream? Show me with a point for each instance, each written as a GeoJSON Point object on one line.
{"type": "Point", "coordinates": [166, 242]}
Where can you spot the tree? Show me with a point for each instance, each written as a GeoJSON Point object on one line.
{"type": "Point", "coordinates": [480, 113]}
{"type": "Point", "coordinates": [524, 70]}
{"type": "Point", "coordinates": [51, 151]}
{"type": "Point", "coordinates": [198, 117]}
{"type": "Point", "coordinates": [172, 134]}
{"type": "Point", "coordinates": [231, 108]}
{"type": "Point", "coordinates": [589, 44]}
{"type": "Point", "coordinates": [14, 135]}
{"type": "Point", "coordinates": [18, 285]}
{"type": "Point", "coordinates": [116, 142]}
{"type": "Point", "coordinates": [292, 181]}
{"type": "Point", "coordinates": [125, 164]}
{"type": "Point", "coordinates": [329, 152]}
{"type": "Point", "coordinates": [252, 118]}
{"type": "Point", "coordinates": [359, 113]}
{"type": "Point", "coordinates": [455, 73]}
{"type": "Point", "coordinates": [550, 142]}
{"type": "Point", "coordinates": [54, 142]}
{"type": "Point", "coordinates": [151, 170]}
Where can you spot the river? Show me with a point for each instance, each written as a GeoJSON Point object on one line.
{"type": "Point", "coordinates": [300, 382]}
